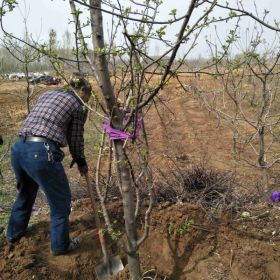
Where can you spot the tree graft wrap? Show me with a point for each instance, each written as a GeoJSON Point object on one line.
{"type": "Point", "coordinates": [115, 134]}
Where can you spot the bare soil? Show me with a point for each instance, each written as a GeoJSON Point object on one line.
{"type": "Point", "coordinates": [184, 241]}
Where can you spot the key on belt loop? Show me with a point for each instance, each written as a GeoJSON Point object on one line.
{"type": "Point", "coordinates": [50, 155]}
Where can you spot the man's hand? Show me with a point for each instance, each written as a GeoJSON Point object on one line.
{"type": "Point", "coordinates": [83, 169]}
{"type": "Point", "coordinates": [82, 165]}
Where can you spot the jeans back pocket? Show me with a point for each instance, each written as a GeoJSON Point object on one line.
{"type": "Point", "coordinates": [58, 155]}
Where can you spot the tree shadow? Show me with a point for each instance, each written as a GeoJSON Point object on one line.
{"type": "Point", "coordinates": [181, 261]}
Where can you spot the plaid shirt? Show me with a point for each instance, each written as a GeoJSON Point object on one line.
{"type": "Point", "coordinates": [59, 116]}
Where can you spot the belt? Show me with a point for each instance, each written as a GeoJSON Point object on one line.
{"type": "Point", "coordinates": [36, 139]}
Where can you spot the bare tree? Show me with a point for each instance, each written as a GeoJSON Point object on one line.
{"type": "Point", "coordinates": [246, 94]}
{"type": "Point", "coordinates": [24, 54]}
{"type": "Point", "coordinates": [130, 79]}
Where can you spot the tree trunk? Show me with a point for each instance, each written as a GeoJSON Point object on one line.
{"type": "Point", "coordinates": [26, 73]}
{"type": "Point", "coordinates": [102, 72]}
{"type": "Point", "coordinates": [262, 157]}
{"type": "Point", "coordinates": [266, 98]}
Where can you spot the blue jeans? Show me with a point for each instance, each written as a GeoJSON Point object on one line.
{"type": "Point", "coordinates": [33, 168]}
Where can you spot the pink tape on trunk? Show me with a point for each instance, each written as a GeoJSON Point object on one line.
{"type": "Point", "coordinates": [115, 134]}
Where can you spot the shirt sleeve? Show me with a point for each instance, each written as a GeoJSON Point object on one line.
{"type": "Point", "coordinates": [75, 135]}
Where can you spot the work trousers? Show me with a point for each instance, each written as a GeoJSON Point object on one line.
{"type": "Point", "coordinates": [38, 164]}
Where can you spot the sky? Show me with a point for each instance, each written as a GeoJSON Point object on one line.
{"type": "Point", "coordinates": [42, 15]}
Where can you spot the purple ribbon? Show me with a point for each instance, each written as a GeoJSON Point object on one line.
{"type": "Point", "coordinates": [115, 134]}
{"type": "Point", "coordinates": [275, 197]}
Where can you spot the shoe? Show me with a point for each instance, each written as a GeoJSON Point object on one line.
{"type": "Point", "coordinates": [74, 244]}
{"type": "Point", "coordinates": [15, 240]}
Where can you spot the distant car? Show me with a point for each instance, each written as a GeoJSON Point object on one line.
{"type": "Point", "coordinates": [46, 80]}
{"type": "Point", "coordinates": [51, 81]}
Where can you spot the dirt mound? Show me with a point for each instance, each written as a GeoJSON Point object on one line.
{"type": "Point", "coordinates": [183, 244]}
{"type": "Point", "coordinates": [186, 241]}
